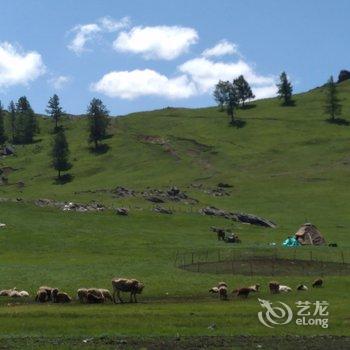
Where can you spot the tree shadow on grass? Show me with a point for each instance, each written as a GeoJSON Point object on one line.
{"type": "Point", "coordinates": [289, 104]}
{"type": "Point", "coordinates": [249, 106]}
{"type": "Point", "coordinates": [338, 121]}
{"type": "Point", "coordinates": [101, 149]}
{"type": "Point", "coordinates": [66, 178]}
{"type": "Point", "coordinates": [238, 123]}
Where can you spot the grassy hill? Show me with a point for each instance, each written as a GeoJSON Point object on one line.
{"type": "Point", "coordinates": [286, 164]}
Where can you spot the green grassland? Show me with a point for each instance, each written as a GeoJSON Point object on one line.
{"type": "Point", "coordinates": [286, 164]}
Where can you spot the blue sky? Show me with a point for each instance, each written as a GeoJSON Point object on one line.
{"type": "Point", "coordinates": [138, 55]}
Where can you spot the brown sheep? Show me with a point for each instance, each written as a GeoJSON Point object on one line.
{"type": "Point", "coordinates": [60, 297]}
{"type": "Point", "coordinates": [126, 285]}
{"type": "Point", "coordinates": [223, 293]}
{"type": "Point", "coordinates": [317, 283]}
{"type": "Point", "coordinates": [82, 294]}
{"type": "Point", "coordinates": [107, 294]}
{"type": "Point", "coordinates": [48, 291]}
{"type": "Point", "coordinates": [243, 292]}
{"type": "Point", "coordinates": [92, 298]}
{"type": "Point", "coordinates": [41, 296]}
{"type": "Point", "coordinates": [274, 287]}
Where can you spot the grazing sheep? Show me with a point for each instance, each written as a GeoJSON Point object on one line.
{"type": "Point", "coordinates": [17, 294]}
{"type": "Point", "coordinates": [214, 290]}
{"type": "Point", "coordinates": [243, 292]}
{"type": "Point", "coordinates": [284, 289]}
{"type": "Point", "coordinates": [222, 284]}
{"type": "Point", "coordinates": [106, 294]}
{"type": "Point", "coordinates": [96, 291]}
{"type": "Point", "coordinates": [223, 293]}
{"type": "Point", "coordinates": [274, 287]}
{"type": "Point", "coordinates": [127, 285]}
{"type": "Point", "coordinates": [92, 298]}
{"type": "Point", "coordinates": [60, 297]}
{"type": "Point", "coordinates": [48, 291]}
{"type": "Point", "coordinates": [255, 287]}
{"type": "Point", "coordinates": [82, 294]}
{"type": "Point", "coordinates": [41, 296]}
{"type": "Point", "coordinates": [302, 287]}
{"type": "Point", "coordinates": [317, 283]}
{"type": "Point", "coordinates": [7, 292]}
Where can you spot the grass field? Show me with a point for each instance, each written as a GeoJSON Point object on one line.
{"type": "Point", "coordinates": [286, 164]}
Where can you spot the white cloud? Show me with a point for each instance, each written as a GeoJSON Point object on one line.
{"type": "Point", "coordinates": [111, 25]}
{"type": "Point", "coordinates": [17, 67]}
{"type": "Point", "coordinates": [83, 34]}
{"type": "Point", "coordinates": [265, 91]}
{"type": "Point", "coordinates": [59, 82]}
{"type": "Point", "coordinates": [206, 73]}
{"type": "Point", "coordinates": [159, 42]}
{"type": "Point", "coordinates": [222, 48]}
{"type": "Point", "coordinates": [89, 32]}
{"type": "Point", "coordinates": [147, 82]}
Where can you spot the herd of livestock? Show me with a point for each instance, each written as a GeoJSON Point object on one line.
{"type": "Point", "coordinates": [134, 287]}
{"type": "Point", "coordinates": [84, 295]}
{"type": "Point", "coordinates": [275, 287]}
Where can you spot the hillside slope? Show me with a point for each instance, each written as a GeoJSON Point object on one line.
{"type": "Point", "coordinates": [284, 159]}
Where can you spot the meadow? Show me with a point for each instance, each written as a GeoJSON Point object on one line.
{"type": "Point", "coordinates": [286, 164]}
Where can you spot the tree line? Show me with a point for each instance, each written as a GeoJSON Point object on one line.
{"type": "Point", "coordinates": [24, 126]}
{"type": "Point", "coordinates": [233, 95]}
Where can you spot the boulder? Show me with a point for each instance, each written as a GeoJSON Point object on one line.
{"type": "Point", "coordinates": [241, 217]}
{"type": "Point", "coordinates": [162, 210]}
{"type": "Point", "coordinates": [122, 211]}
{"type": "Point", "coordinates": [343, 75]}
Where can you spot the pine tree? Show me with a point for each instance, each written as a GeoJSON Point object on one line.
{"type": "Point", "coordinates": [332, 105]}
{"type": "Point", "coordinates": [220, 93]}
{"type": "Point", "coordinates": [2, 128]}
{"type": "Point", "coordinates": [25, 126]}
{"type": "Point", "coordinates": [60, 152]}
{"type": "Point", "coordinates": [285, 89]}
{"type": "Point", "coordinates": [12, 119]}
{"type": "Point", "coordinates": [244, 90]}
{"type": "Point", "coordinates": [98, 116]}
{"type": "Point", "coordinates": [54, 110]}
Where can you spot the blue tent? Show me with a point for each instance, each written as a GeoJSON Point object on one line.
{"type": "Point", "coordinates": [291, 242]}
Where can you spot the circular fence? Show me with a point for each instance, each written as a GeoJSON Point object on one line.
{"type": "Point", "coordinates": [272, 262]}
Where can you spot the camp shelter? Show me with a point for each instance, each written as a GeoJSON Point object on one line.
{"type": "Point", "coordinates": [309, 234]}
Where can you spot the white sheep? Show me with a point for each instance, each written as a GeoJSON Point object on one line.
{"type": "Point", "coordinates": [284, 289]}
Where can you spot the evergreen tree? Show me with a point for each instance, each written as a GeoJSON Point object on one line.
{"type": "Point", "coordinates": [2, 128]}
{"type": "Point", "coordinates": [54, 109]}
{"type": "Point", "coordinates": [60, 152]}
{"type": "Point", "coordinates": [220, 93]}
{"type": "Point", "coordinates": [25, 125]}
{"type": "Point", "coordinates": [332, 105]}
{"type": "Point", "coordinates": [98, 116]}
{"type": "Point", "coordinates": [285, 89]}
{"type": "Point", "coordinates": [244, 90]}
{"type": "Point", "coordinates": [12, 119]}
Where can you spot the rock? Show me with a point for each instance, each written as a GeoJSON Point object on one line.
{"type": "Point", "coordinates": [224, 185]}
{"type": "Point", "coordinates": [154, 199]}
{"type": "Point", "coordinates": [122, 192]}
{"type": "Point", "coordinates": [343, 75]}
{"type": "Point", "coordinates": [122, 211]}
{"type": "Point", "coordinates": [241, 217]}
{"type": "Point", "coordinates": [162, 210]}
{"type": "Point", "coordinates": [254, 220]}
